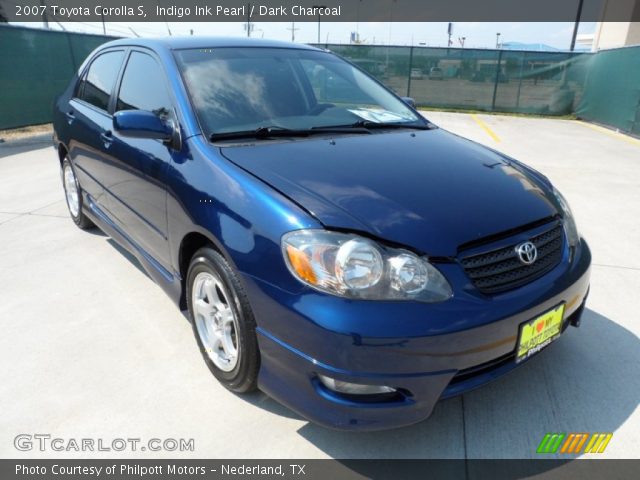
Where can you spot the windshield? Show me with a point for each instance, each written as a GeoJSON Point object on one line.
{"type": "Point", "coordinates": [244, 89]}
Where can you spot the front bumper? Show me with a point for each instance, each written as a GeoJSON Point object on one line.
{"type": "Point", "coordinates": [426, 351]}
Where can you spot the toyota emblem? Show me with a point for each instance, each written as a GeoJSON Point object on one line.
{"type": "Point", "coordinates": [527, 253]}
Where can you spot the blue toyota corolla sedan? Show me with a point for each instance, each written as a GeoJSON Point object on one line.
{"type": "Point", "coordinates": [333, 247]}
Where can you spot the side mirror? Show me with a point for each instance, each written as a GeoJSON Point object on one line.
{"type": "Point", "coordinates": [141, 124]}
{"type": "Point", "coordinates": [409, 101]}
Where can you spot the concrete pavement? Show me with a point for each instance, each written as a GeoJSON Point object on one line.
{"type": "Point", "coordinates": [91, 347]}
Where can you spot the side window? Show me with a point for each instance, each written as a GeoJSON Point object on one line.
{"type": "Point", "coordinates": [143, 86]}
{"type": "Point", "coordinates": [97, 84]}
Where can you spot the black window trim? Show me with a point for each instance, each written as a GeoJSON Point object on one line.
{"type": "Point", "coordinates": [85, 72]}
{"type": "Point", "coordinates": [165, 79]}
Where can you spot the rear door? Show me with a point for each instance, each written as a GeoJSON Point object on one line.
{"type": "Point", "coordinates": [90, 122]}
{"type": "Point", "coordinates": [136, 188]}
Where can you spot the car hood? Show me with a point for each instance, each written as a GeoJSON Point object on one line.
{"type": "Point", "coordinates": [428, 190]}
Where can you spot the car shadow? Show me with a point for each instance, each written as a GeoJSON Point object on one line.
{"type": "Point", "coordinates": [14, 147]}
{"type": "Point", "coordinates": [98, 233]}
{"type": "Point", "coordinates": [265, 402]}
{"type": "Point", "coordinates": [124, 252]}
{"type": "Point", "coordinates": [587, 381]}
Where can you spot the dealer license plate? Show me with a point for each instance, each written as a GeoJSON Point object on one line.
{"type": "Point", "coordinates": [539, 332]}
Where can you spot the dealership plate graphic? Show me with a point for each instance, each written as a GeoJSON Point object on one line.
{"type": "Point", "coordinates": [539, 332]}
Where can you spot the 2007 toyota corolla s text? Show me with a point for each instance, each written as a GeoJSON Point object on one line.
{"type": "Point", "coordinates": [333, 247]}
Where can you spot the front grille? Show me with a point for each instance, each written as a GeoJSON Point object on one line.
{"type": "Point", "coordinates": [500, 270]}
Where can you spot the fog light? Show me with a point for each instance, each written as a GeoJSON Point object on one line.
{"type": "Point", "coordinates": [354, 388]}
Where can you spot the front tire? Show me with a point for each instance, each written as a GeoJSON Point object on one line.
{"type": "Point", "coordinates": [222, 321]}
{"type": "Point", "coordinates": [73, 196]}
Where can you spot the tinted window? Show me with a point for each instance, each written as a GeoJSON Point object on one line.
{"type": "Point", "coordinates": [331, 86]}
{"type": "Point", "coordinates": [143, 86]}
{"type": "Point", "coordinates": [98, 83]}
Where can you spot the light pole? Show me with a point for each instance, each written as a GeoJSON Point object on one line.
{"type": "Point", "coordinates": [249, 20]}
{"type": "Point", "coordinates": [390, 22]}
{"type": "Point", "coordinates": [575, 26]}
{"type": "Point", "coordinates": [318, 7]}
{"type": "Point", "coordinates": [358, 19]}
{"type": "Point", "coordinates": [163, 16]}
{"type": "Point", "coordinates": [389, 40]}
{"type": "Point", "coordinates": [497, 40]}
{"type": "Point", "coordinates": [293, 29]}
{"type": "Point", "coordinates": [45, 20]}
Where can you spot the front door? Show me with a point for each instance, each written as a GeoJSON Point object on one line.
{"type": "Point", "coordinates": [136, 188]}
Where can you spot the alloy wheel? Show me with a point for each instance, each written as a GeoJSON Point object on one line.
{"type": "Point", "coordinates": [215, 320]}
{"type": "Point", "coordinates": [71, 190]}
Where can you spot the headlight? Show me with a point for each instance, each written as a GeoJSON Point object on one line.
{"type": "Point", "coordinates": [351, 266]}
{"type": "Point", "coordinates": [570, 228]}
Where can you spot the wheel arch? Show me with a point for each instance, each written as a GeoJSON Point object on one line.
{"type": "Point", "coordinates": [63, 151]}
{"type": "Point", "coordinates": [189, 245]}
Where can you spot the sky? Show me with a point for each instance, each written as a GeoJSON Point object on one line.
{"type": "Point", "coordinates": [477, 34]}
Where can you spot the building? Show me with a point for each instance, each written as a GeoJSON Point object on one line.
{"type": "Point", "coordinates": [584, 42]}
{"type": "Point", "coordinates": [616, 34]}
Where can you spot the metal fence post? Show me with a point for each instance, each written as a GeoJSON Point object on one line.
{"type": "Point", "coordinates": [410, 68]}
{"type": "Point", "coordinates": [71, 54]}
{"type": "Point", "coordinates": [495, 85]}
{"type": "Point", "coordinates": [635, 124]}
{"type": "Point", "coordinates": [520, 83]}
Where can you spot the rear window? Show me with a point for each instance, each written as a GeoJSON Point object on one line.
{"type": "Point", "coordinates": [96, 86]}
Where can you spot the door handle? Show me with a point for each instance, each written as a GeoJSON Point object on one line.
{"type": "Point", "coordinates": [70, 116]}
{"type": "Point", "coordinates": [107, 138]}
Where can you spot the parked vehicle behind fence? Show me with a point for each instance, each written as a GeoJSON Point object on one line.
{"type": "Point", "coordinates": [435, 73]}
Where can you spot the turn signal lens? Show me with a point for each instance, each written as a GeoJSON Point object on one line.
{"type": "Point", "coordinates": [301, 264]}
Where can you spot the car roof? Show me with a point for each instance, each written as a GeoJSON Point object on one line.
{"type": "Point", "coordinates": [177, 43]}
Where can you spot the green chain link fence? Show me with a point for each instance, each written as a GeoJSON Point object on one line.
{"type": "Point", "coordinates": [36, 65]}
{"type": "Point", "coordinates": [549, 83]}
{"type": "Point", "coordinates": [612, 90]}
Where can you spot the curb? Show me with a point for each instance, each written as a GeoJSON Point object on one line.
{"type": "Point", "coordinates": [40, 139]}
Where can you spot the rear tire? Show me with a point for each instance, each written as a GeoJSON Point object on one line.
{"type": "Point", "coordinates": [73, 196]}
{"type": "Point", "coordinates": [222, 321]}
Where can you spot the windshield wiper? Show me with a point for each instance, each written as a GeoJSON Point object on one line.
{"type": "Point", "coordinates": [277, 131]}
{"type": "Point", "coordinates": [368, 124]}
